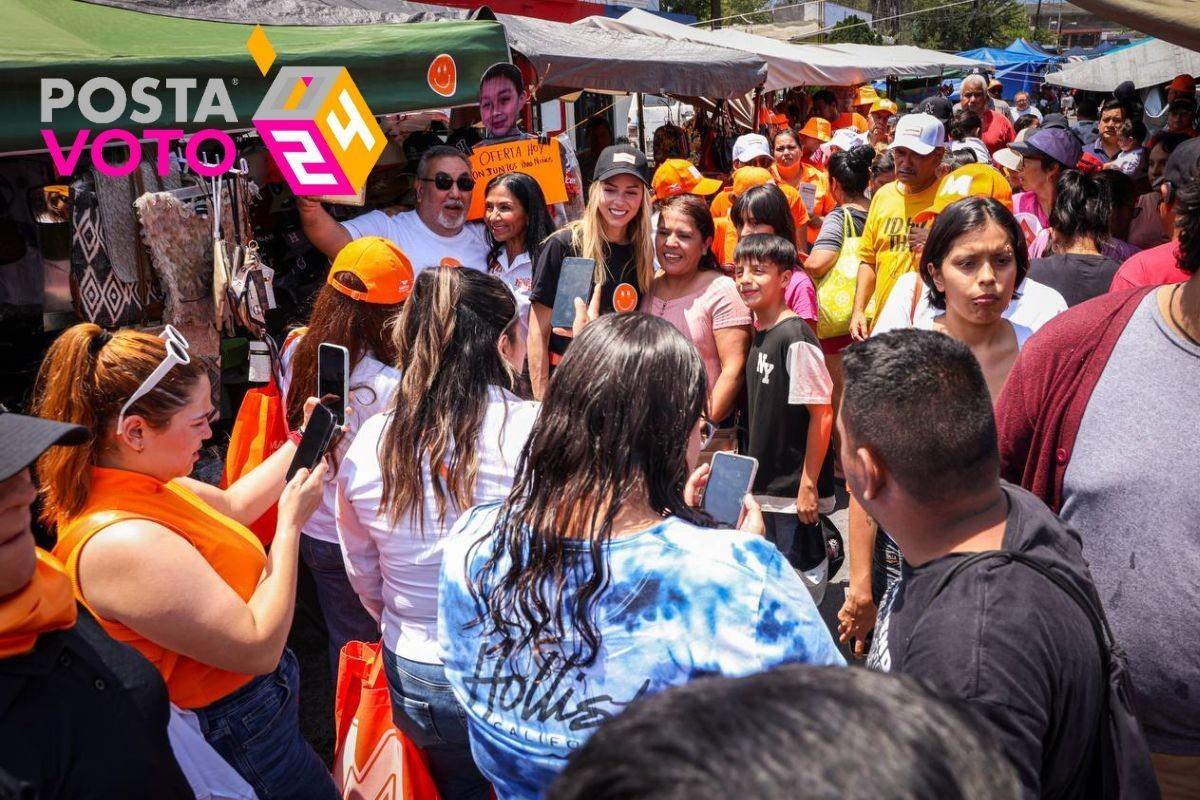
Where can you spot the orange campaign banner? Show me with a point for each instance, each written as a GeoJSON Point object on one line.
{"type": "Point", "coordinates": [542, 162]}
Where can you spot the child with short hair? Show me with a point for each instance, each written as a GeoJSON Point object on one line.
{"type": "Point", "coordinates": [790, 415]}
{"type": "Point", "coordinates": [1132, 158]}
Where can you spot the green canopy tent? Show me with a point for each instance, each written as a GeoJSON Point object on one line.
{"type": "Point", "coordinates": [77, 41]}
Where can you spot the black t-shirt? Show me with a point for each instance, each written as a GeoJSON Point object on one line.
{"type": "Point", "coordinates": [1011, 644]}
{"type": "Point", "coordinates": [622, 272]}
{"type": "Point", "coordinates": [785, 372]}
{"type": "Point", "coordinates": [84, 716]}
{"type": "Point", "coordinates": [1076, 276]}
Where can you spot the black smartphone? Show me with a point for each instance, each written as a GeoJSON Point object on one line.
{"type": "Point", "coordinates": [731, 477]}
{"type": "Point", "coordinates": [333, 379]}
{"type": "Point", "coordinates": [315, 441]}
{"type": "Point", "coordinates": [574, 280]}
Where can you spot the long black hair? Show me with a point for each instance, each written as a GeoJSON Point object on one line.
{"type": "Point", "coordinates": [961, 218]}
{"type": "Point", "coordinates": [538, 225]}
{"type": "Point", "coordinates": [766, 205]}
{"type": "Point", "coordinates": [1082, 205]}
{"type": "Point", "coordinates": [596, 446]}
{"type": "Point", "coordinates": [852, 170]}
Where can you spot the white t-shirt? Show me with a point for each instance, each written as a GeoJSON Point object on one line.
{"type": "Point", "coordinates": [1036, 305]}
{"type": "Point", "coordinates": [394, 568]}
{"type": "Point", "coordinates": [372, 385]}
{"type": "Point", "coordinates": [423, 247]}
{"type": "Point", "coordinates": [518, 275]}
{"type": "Point", "coordinates": [1016, 113]}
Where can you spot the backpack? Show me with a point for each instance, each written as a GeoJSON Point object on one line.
{"type": "Point", "coordinates": [1126, 772]}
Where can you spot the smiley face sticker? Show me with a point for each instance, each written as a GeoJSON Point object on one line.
{"type": "Point", "coordinates": [625, 298]}
{"type": "Point", "coordinates": [443, 75]}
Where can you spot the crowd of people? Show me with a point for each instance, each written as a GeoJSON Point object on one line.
{"type": "Point", "coordinates": [952, 317]}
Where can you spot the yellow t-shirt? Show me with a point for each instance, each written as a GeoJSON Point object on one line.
{"type": "Point", "coordinates": [884, 242]}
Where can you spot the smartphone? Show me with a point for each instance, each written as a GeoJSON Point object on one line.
{"type": "Point", "coordinates": [574, 280]}
{"type": "Point", "coordinates": [315, 441]}
{"type": "Point", "coordinates": [333, 379]}
{"type": "Point", "coordinates": [731, 477]}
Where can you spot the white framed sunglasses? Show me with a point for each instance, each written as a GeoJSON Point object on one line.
{"type": "Point", "coordinates": [177, 353]}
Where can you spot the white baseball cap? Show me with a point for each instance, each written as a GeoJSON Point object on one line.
{"type": "Point", "coordinates": [921, 133]}
{"type": "Point", "coordinates": [1007, 158]}
{"type": "Point", "coordinates": [751, 146]}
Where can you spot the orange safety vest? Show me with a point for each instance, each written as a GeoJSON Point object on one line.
{"type": "Point", "coordinates": [229, 547]}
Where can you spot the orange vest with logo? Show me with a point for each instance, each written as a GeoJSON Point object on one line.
{"type": "Point", "coordinates": [229, 547]}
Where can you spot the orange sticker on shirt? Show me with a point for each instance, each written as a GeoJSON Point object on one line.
{"type": "Point", "coordinates": [443, 75]}
{"type": "Point", "coordinates": [625, 298]}
{"type": "Point", "coordinates": [450, 261]}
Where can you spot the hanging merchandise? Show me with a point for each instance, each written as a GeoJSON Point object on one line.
{"type": "Point", "coordinates": [112, 281]}
{"type": "Point", "coordinates": [670, 141]}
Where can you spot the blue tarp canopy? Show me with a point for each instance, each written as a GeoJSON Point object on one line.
{"type": "Point", "coordinates": [1019, 66]}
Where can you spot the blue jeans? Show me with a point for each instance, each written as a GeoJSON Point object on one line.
{"type": "Point", "coordinates": [257, 730]}
{"type": "Point", "coordinates": [345, 618]}
{"type": "Point", "coordinates": [425, 710]}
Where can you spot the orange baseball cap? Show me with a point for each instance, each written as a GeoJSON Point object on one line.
{"type": "Point", "coordinates": [865, 95]}
{"type": "Point", "coordinates": [380, 265]}
{"type": "Point", "coordinates": [746, 178]}
{"type": "Point", "coordinates": [883, 104]}
{"type": "Point", "coordinates": [1183, 83]}
{"type": "Point", "coordinates": [969, 180]}
{"type": "Point", "coordinates": [677, 176]}
{"type": "Point", "coordinates": [818, 128]}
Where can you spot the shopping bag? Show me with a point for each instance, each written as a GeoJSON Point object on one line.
{"type": "Point", "coordinates": [259, 430]}
{"type": "Point", "coordinates": [835, 289]}
{"type": "Point", "coordinates": [372, 758]}
{"type": "Point", "coordinates": [209, 775]}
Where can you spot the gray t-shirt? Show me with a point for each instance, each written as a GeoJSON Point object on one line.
{"type": "Point", "coordinates": [1130, 490]}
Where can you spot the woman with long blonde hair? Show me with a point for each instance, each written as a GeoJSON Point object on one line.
{"type": "Point", "coordinates": [615, 233]}
{"type": "Point", "coordinates": [450, 439]}
{"type": "Point", "coordinates": [165, 563]}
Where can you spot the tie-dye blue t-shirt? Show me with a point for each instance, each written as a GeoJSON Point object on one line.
{"type": "Point", "coordinates": [682, 602]}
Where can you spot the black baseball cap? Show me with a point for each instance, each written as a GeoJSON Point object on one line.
{"type": "Point", "coordinates": [1182, 165]}
{"type": "Point", "coordinates": [622, 159]}
{"type": "Point", "coordinates": [26, 438]}
{"type": "Point", "coordinates": [1055, 121]}
{"type": "Point", "coordinates": [937, 106]}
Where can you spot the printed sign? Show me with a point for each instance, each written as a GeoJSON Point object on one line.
{"type": "Point", "coordinates": [808, 193]}
{"type": "Point", "coordinates": [542, 162]}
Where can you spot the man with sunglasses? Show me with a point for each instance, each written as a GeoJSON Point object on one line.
{"type": "Point", "coordinates": [434, 234]}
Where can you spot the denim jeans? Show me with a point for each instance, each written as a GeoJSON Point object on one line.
{"type": "Point", "coordinates": [257, 730]}
{"type": "Point", "coordinates": [345, 618]}
{"type": "Point", "coordinates": [425, 710]}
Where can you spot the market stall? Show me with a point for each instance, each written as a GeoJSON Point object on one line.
{"type": "Point", "coordinates": [1147, 63]}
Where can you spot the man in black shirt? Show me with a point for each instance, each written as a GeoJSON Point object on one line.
{"type": "Point", "coordinates": [919, 450]}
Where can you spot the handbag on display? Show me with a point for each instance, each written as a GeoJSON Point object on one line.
{"type": "Point", "coordinates": [835, 289]}
{"type": "Point", "coordinates": [372, 758]}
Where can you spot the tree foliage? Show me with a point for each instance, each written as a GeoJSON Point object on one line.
{"type": "Point", "coordinates": [853, 29]}
{"type": "Point", "coordinates": [983, 23]}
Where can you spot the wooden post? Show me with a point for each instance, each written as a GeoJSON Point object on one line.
{"type": "Point", "coordinates": [641, 124]}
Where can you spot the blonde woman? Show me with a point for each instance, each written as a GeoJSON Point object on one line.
{"type": "Point", "coordinates": [616, 233]}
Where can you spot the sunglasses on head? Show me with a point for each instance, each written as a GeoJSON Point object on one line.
{"type": "Point", "coordinates": [177, 353]}
{"type": "Point", "coordinates": [443, 182]}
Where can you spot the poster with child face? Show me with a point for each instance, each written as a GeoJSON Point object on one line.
{"type": "Point", "coordinates": [502, 96]}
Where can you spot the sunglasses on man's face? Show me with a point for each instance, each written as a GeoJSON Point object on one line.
{"type": "Point", "coordinates": [443, 182]}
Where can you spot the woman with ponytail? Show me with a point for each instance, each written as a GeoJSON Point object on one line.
{"type": "Point", "coordinates": [692, 293]}
{"type": "Point", "coordinates": [1079, 268]}
{"type": "Point", "coordinates": [165, 563]}
{"type": "Point", "coordinates": [450, 439]}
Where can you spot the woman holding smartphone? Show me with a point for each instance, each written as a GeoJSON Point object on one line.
{"type": "Point", "coordinates": [517, 223]}
{"type": "Point", "coordinates": [165, 563]}
{"type": "Point", "coordinates": [369, 281]}
{"type": "Point", "coordinates": [616, 234]}
{"type": "Point", "coordinates": [451, 438]}
{"type": "Point", "coordinates": [595, 581]}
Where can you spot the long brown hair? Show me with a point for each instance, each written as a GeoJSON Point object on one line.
{"type": "Point", "coordinates": [362, 328]}
{"type": "Point", "coordinates": [446, 339]}
{"type": "Point", "coordinates": [85, 378]}
{"type": "Point", "coordinates": [587, 237]}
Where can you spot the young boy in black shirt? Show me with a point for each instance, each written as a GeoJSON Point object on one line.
{"type": "Point", "coordinates": [790, 416]}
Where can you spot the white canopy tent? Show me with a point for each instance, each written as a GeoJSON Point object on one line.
{"type": "Point", "coordinates": [795, 64]}
{"type": "Point", "coordinates": [1146, 64]}
{"type": "Point", "coordinates": [1176, 21]}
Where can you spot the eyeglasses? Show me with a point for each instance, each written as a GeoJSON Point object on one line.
{"type": "Point", "coordinates": [443, 182]}
{"type": "Point", "coordinates": [177, 353]}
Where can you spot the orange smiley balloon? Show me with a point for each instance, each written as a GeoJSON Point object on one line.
{"type": "Point", "coordinates": [625, 298]}
{"type": "Point", "coordinates": [450, 261]}
{"type": "Point", "coordinates": [443, 75]}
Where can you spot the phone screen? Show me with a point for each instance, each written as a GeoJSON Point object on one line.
{"type": "Point", "coordinates": [574, 280]}
{"type": "Point", "coordinates": [332, 380]}
{"type": "Point", "coordinates": [315, 441]}
{"type": "Point", "coordinates": [731, 477]}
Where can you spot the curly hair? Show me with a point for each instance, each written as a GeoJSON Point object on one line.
{"type": "Point", "coordinates": [1187, 222]}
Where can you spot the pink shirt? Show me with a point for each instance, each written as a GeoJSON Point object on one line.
{"type": "Point", "coordinates": [801, 295]}
{"type": "Point", "coordinates": [700, 314]}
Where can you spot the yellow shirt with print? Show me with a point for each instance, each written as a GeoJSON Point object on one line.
{"type": "Point", "coordinates": [884, 242]}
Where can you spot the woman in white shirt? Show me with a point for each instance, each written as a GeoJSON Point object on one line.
{"type": "Point", "coordinates": [459, 340]}
{"type": "Point", "coordinates": [517, 222]}
{"type": "Point", "coordinates": [368, 281]}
